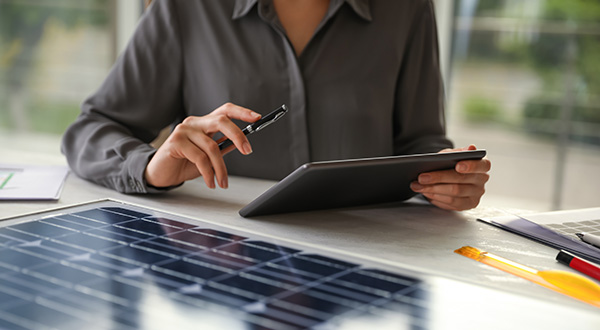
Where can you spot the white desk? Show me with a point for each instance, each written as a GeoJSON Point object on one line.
{"type": "Point", "coordinates": [410, 235]}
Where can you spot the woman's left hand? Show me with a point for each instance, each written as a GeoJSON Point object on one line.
{"type": "Point", "coordinates": [458, 189]}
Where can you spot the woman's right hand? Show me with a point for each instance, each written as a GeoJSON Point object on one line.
{"type": "Point", "coordinates": [190, 151]}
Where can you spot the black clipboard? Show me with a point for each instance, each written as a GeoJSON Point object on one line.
{"type": "Point", "coordinates": [355, 182]}
{"type": "Point", "coordinates": [534, 231]}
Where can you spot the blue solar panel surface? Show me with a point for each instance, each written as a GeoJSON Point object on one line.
{"type": "Point", "coordinates": [120, 267]}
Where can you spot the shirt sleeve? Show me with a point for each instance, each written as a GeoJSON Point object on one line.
{"type": "Point", "coordinates": [109, 142]}
{"type": "Point", "coordinates": [419, 122]}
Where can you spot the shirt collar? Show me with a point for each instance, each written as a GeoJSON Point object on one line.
{"type": "Point", "coordinates": [360, 7]}
{"type": "Point", "coordinates": [242, 7]}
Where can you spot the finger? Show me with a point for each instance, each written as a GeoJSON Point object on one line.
{"type": "Point", "coordinates": [215, 157]}
{"type": "Point", "coordinates": [452, 203]}
{"type": "Point", "coordinates": [204, 152]}
{"type": "Point", "coordinates": [452, 176]}
{"type": "Point", "coordinates": [467, 148]}
{"type": "Point", "coordinates": [228, 149]}
{"type": "Point", "coordinates": [218, 122]}
{"type": "Point", "coordinates": [196, 147]}
{"type": "Point", "coordinates": [192, 153]}
{"type": "Point", "coordinates": [474, 166]}
{"type": "Point", "coordinates": [236, 112]}
{"type": "Point", "coordinates": [233, 133]}
{"type": "Point", "coordinates": [452, 190]}
{"type": "Point", "coordinates": [444, 205]}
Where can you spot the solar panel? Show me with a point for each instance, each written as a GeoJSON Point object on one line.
{"type": "Point", "coordinates": [117, 266]}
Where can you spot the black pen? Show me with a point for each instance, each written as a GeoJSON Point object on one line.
{"type": "Point", "coordinates": [259, 124]}
{"type": "Point", "coordinates": [590, 239]}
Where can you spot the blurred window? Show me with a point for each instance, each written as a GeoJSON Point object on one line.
{"type": "Point", "coordinates": [53, 53]}
{"type": "Point", "coordinates": [524, 83]}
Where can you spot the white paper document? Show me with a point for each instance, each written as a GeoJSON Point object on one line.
{"type": "Point", "coordinates": [29, 182]}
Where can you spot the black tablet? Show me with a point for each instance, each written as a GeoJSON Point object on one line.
{"type": "Point", "coordinates": [345, 183]}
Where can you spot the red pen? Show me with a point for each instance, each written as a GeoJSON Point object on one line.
{"type": "Point", "coordinates": [579, 264]}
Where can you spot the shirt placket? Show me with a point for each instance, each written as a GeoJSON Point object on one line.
{"type": "Point", "coordinates": [300, 149]}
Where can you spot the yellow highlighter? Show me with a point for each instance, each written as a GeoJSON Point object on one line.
{"type": "Point", "coordinates": [567, 283]}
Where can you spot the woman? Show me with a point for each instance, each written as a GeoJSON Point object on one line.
{"type": "Point", "coordinates": [361, 79]}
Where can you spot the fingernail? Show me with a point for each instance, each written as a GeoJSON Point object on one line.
{"type": "Point", "coordinates": [461, 167]}
{"type": "Point", "coordinates": [224, 183]}
{"type": "Point", "coordinates": [416, 187]}
{"type": "Point", "coordinates": [424, 178]}
{"type": "Point", "coordinates": [246, 148]}
{"type": "Point", "coordinates": [256, 115]}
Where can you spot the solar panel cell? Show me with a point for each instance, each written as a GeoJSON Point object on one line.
{"type": "Point", "coordinates": [65, 224]}
{"type": "Point", "coordinates": [27, 286]}
{"type": "Point", "coordinates": [197, 239]}
{"type": "Point", "coordinates": [18, 236]}
{"type": "Point", "coordinates": [41, 229]}
{"type": "Point", "coordinates": [196, 272]}
{"type": "Point", "coordinates": [170, 223]}
{"type": "Point", "coordinates": [249, 252]}
{"type": "Point", "coordinates": [130, 212]}
{"type": "Point", "coordinates": [105, 216]}
{"type": "Point", "coordinates": [92, 223]}
{"type": "Point", "coordinates": [45, 317]}
{"type": "Point", "coordinates": [89, 242]}
{"type": "Point", "coordinates": [17, 260]}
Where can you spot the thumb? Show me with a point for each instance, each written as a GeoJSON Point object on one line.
{"type": "Point", "coordinates": [470, 147]}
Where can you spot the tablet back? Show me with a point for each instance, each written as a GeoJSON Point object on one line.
{"type": "Point", "coordinates": [344, 183]}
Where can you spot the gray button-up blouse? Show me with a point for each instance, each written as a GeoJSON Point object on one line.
{"type": "Point", "coordinates": [367, 84]}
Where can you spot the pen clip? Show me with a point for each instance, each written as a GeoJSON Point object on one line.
{"type": "Point", "coordinates": [267, 123]}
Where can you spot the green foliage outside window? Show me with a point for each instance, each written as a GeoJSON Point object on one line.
{"type": "Point", "coordinates": [479, 109]}
{"type": "Point", "coordinates": [559, 24]}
